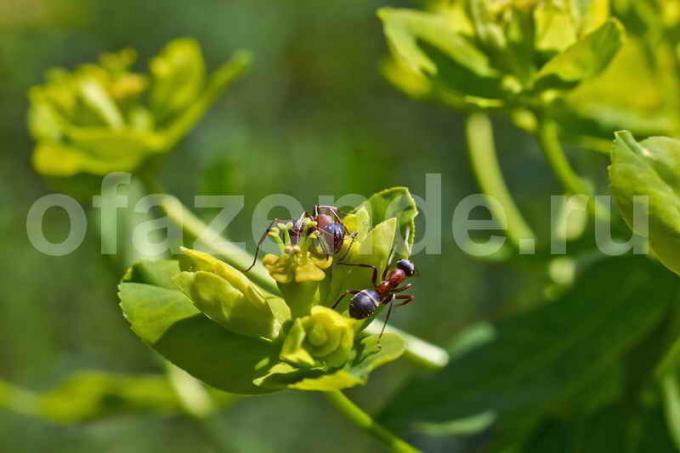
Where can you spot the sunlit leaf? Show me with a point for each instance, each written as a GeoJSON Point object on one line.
{"type": "Point", "coordinates": [170, 323]}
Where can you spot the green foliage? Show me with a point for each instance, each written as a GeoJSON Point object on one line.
{"type": "Point", "coordinates": [568, 352]}
{"type": "Point", "coordinates": [91, 395]}
{"type": "Point", "coordinates": [164, 318]}
{"type": "Point", "coordinates": [505, 60]}
{"type": "Point", "coordinates": [646, 176]}
{"type": "Point", "coordinates": [544, 61]}
{"type": "Point", "coordinates": [211, 320]}
{"type": "Point", "coordinates": [105, 117]}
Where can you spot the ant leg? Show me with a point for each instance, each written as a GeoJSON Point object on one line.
{"type": "Point", "coordinates": [390, 258]}
{"type": "Point", "coordinates": [334, 213]}
{"type": "Point", "coordinates": [407, 299]}
{"type": "Point", "coordinates": [343, 295]}
{"type": "Point", "coordinates": [387, 318]}
{"type": "Point", "coordinates": [259, 244]}
{"type": "Point", "coordinates": [374, 275]}
{"type": "Point", "coordinates": [403, 288]}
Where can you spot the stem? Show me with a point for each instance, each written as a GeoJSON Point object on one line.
{"type": "Point", "coordinates": [671, 399]}
{"type": "Point", "coordinates": [418, 351]}
{"type": "Point", "coordinates": [208, 238]}
{"type": "Point", "coordinates": [482, 151]}
{"type": "Point", "coordinates": [549, 142]}
{"type": "Point", "coordinates": [364, 421]}
{"type": "Point", "coordinates": [19, 400]}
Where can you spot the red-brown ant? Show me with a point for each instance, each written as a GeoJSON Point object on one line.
{"type": "Point", "coordinates": [366, 301]}
{"type": "Point", "coordinates": [327, 223]}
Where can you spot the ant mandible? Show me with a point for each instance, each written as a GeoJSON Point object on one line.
{"type": "Point", "coordinates": [331, 230]}
{"type": "Point", "coordinates": [366, 301]}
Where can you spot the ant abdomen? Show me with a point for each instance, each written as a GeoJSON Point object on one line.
{"type": "Point", "coordinates": [334, 235]}
{"type": "Point", "coordinates": [364, 303]}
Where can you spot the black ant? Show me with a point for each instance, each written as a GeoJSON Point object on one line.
{"type": "Point", "coordinates": [366, 301]}
{"type": "Point", "coordinates": [332, 231]}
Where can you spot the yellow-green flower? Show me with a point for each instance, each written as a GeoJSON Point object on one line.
{"type": "Point", "coordinates": [324, 338]}
{"type": "Point", "coordinates": [297, 266]}
{"type": "Point", "coordinates": [104, 117]}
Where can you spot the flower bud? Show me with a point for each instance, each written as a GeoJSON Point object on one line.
{"type": "Point", "coordinates": [323, 338]}
{"type": "Point", "coordinates": [229, 298]}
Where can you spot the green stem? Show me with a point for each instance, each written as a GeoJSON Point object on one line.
{"type": "Point", "coordinates": [482, 151]}
{"type": "Point", "coordinates": [364, 421]}
{"type": "Point", "coordinates": [549, 142]}
{"type": "Point", "coordinates": [19, 400]}
{"type": "Point", "coordinates": [671, 399]}
{"type": "Point", "coordinates": [210, 239]}
{"type": "Point", "coordinates": [417, 351]}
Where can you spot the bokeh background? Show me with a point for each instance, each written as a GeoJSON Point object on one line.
{"type": "Point", "coordinates": [313, 117]}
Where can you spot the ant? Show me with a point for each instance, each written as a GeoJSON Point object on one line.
{"type": "Point", "coordinates": [366, 301]}
{"type": "Point", "coordinates": [328, 224]}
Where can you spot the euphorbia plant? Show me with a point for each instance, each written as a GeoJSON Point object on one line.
{"type": "Point", "coordinates": [106, 117]}
{"type": "Point", "coordinates": [209, 318]}
{"type": "Point", "coordinates": [212, 320]}
{"type": "Point", "coordinates": [246, 333]}
{"type": "Point", "coordinates": [555, 68]}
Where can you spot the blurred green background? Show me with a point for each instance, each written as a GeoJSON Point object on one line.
{"type": "Point", "coordinates": [313, 117]}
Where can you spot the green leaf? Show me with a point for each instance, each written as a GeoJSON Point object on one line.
{"type": "Point", "coordinates": [584, 60]}
{"type": "Point", "coordinates": [94, 395]}
{"type": "Point", "coordinates": [169, 322]}
{"type": "Point", "coordinates": [373, 249]}
{"type": "Point", "coordinates": [371, 354]}
{"type": "Point", "coordinates": [178, 77]}
{"type": "Point", "coordinates": [433, 46]}
{"type": "Point", "coordinates": [405, 28]}
{"type": "Point", "coordinates": [547, 355]}
{"type": "Point", "coordinates": [650, 169]}
{"type": "Point", "coordinates": [398, 203]}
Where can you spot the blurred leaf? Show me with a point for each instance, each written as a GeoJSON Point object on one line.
{"type": "Point", "coordinates": [92, 395]}
{"type": "Point", "coordinates": [608, 429]}
{"type": "Point", "coordinates": [405, 28]}
{"type": "Point", "coordinates": [649, 172]}
{"type": "Point", "coordinates": [651, 111]}
{"type": "Point", "coordinates": [545, 355]}
{"type": "Point", "coordinates": [670, 387]}
{"type": "Point", "coordinates": [170, 323]}
{"type": "Point", "coordinates": [584, 60]}
{"type": "Point", "coordinates": [178, 77]}
{"type": "Point", "coordinates": [104, 117]}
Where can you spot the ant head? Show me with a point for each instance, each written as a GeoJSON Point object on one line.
{"type": "Point", "coordinates": [407, 266]}
{"type": "Point", "coordinates": [323, 220]}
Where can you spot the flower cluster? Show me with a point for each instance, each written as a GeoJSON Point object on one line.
{"type": "Point", "coordinates": [212, 320]}
{"type": "Point", "coordinates": [105, 117]}
{"type": "Point", "coordinates": [562, 61]}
